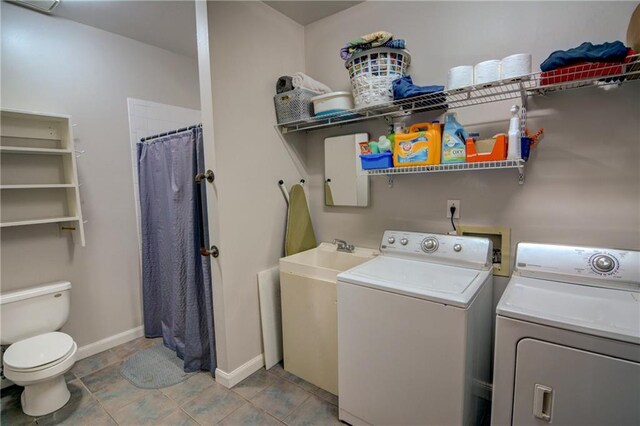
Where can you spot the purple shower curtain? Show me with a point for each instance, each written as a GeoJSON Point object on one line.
{"type": "Point", "coordinates": [176, 279]}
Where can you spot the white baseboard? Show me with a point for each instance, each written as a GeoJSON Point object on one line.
{"type": "Point", "coordinates": [110, 342]}
{"type": "Point", "coordinates": [229, 380]}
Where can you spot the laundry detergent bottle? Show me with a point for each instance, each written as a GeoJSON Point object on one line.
{"type": "Point", "coordinates": [419, 147]}
{"type": "Point", "coordinates": [453, 137]}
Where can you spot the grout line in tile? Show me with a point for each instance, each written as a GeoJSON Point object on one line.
{"type": "Point", "coordinates": [100, 369]}
{"type": "Point", "coordinates": [299, 405]}
{"type": "Point", "coordinates": [308, 391]}
{"type": "Point", "coordinates": [188, 415]}
{"type": "Point", "coordinates": [221, 420]}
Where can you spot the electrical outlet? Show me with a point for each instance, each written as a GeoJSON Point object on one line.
{"type": "Point", "coordinates": [456, 204]}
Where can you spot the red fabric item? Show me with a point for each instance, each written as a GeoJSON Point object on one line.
{"type": "Point", "coordinates": [583, 71]}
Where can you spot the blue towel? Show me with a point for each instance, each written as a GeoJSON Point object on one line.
{"type": "Point", "coordinates": [586, 52]}
{"type": "Point", "coordinates": [404, 88]}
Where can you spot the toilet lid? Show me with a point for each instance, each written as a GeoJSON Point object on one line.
{"type": "Point", "coordinates": [38, 350]}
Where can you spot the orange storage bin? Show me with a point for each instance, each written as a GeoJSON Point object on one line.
{"type": "Point", "coordinates": [421, 146]}
{"type": "Point", "coordinates": [497, 153]}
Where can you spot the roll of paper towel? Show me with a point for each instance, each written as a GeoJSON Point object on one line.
{"type": "Point", "coordinates": [487, 71]}
{"type": "Point", "coordinates": [516, 65]}
{"type": "Point", "coordinates": [461, 76]}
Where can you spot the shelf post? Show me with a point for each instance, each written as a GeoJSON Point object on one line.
{"type": "Point", "coordinates": [523, 108]}
{"type": "Point", "coordinates": [521, 173]}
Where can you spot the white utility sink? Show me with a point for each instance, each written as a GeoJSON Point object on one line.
{"type": "Point", "coordinates": [325, 262]}
{"type": "Point", "coordinates": [309, 314]}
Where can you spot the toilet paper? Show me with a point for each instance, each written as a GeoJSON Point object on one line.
{"type": "Point", "coordinates": [461, 76]}
{"type": "Point", "coordinates": [487, 71]}
{"type": "Point", "coordinates": [516, 65]}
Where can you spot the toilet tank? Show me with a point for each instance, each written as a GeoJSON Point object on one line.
{"type": "Point", "coordinates": [33, 311]}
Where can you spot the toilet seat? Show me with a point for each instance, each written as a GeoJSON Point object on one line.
{"type": "Point", "coordinates": [39, 352]}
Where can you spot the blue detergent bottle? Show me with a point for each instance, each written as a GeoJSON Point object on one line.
{"type": "Point", "coordinates": [453, 140]}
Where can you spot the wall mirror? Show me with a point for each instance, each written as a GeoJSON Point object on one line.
{"type": "Point", "coordinates": [345, 183]}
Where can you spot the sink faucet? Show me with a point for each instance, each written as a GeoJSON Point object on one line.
{"type": "Point", "coordinates": [344, 246]}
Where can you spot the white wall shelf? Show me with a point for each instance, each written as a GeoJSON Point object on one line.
{"type": "Point", "coordinates": [47, 139]}
{"type": "Point", "coordinates": [457, 167]}
{"type": "Point", "coordinates": [37, 151]}
{"type": "Point", "coordinates": [520, 88]}
{"type": "Point", "coordinates": [74, 219]}
{"type": "Point", "coordinates": [39, 186]}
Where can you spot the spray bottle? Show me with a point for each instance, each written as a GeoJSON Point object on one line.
{"type": "Point", "coordinates": [513, 150]}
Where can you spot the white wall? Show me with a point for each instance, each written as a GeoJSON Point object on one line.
{"type": "Point", "coordinates": [55, 65]}
{"type": "Point", "coordinates": [252, 45]}
{"type": "Point", "coordinates": [582, 183]}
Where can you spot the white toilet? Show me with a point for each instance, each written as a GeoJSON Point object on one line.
{"type": "Point", "coordinates": [39, 355]}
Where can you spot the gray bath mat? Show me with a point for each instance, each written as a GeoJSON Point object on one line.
{"type": "Point", "coordinates": [153, 368]}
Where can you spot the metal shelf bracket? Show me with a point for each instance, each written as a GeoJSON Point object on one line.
{"type": "Point", "coordinates": [390, 181]}
{"type": "Point", "coordinates": [521, 174]}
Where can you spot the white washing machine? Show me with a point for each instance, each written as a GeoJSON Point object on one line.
{"type": "Point", "coordinates": [414, 331]}
{"type": "Point", "coordinates": [568, 338]}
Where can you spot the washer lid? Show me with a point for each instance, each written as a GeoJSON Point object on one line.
{"type": "Point", "coordinates": [604, 312]}
{"type": "Point", "coordinates": [38, 350]}
{"type": "Point", "coordinates": [430, 281]}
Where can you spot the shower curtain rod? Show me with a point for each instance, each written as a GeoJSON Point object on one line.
{"type": "Point", "coordinates": [172, 132]}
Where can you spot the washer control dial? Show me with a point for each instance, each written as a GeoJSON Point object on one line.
{"type": "Point", "coordinates": [603, 263]}
{"type": "Point", "coordinates": [391, 240]}
{"type": "Point", "coordinates": [429, 245]}
{"type": "Point", "coordinates": [404, 241]}
{"type": "Point", "coordinates": [457, 247]}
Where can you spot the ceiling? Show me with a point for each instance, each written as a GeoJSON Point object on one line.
{"type": "Point", "coordinates": [306, 12]}
{"type": "Point", "coordinates": [171, 25]}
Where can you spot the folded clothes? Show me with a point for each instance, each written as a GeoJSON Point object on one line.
{"type": "Point", "coordinates": [284, 84]}
{"type": "Point", "coordinates": [404, 88]}
{"type": "Point", "coordinates": [374, 39]}
{"type": "Point", "coordinates": [587, 52]}
{"type": "Point", "coordinates": [348, 51]}
{"type": "Point", "coordinates": [304, 81]}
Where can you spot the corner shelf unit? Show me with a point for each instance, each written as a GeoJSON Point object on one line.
{"type": "Point", "coordinates": [535, 84]}
{"type": "Point", "coordinates": [39, 179]}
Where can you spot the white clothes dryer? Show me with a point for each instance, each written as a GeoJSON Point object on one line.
{"type": "Point", "coordinates": [567, 348]}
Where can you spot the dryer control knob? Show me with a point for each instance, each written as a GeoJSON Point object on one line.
{"type": "Point", "coordinates": [457, 247]}
{"type": "Point", "coordinates": [404, 241]}
{"type": "Point", "coordinates": [603, 263]}
{"type": "Point", "coordinates": [429, 245]}
{"type": "Point", "coordinates": [391, 240]}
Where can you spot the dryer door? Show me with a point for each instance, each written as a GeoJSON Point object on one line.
{"type": "Point", "coordinates": [565, 386]}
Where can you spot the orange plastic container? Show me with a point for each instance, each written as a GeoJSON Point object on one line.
{"type": "Point", "coordinates": [497, 153]}
{"type": "Point", "coordinates": [421, 146]}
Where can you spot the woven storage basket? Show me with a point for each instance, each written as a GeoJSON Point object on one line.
{"type": "Point", "coordinates": [372, 72]}
{"type": "Point", "coordinates": [294, 105]}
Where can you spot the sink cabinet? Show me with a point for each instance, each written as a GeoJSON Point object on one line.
{"type": "Point", "coordinates": [309, 311]}
{"type": "Point", "coordinates": [310, 329]}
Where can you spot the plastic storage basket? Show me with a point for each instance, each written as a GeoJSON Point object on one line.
{"type": "Point", "coordinates": [294, 105]}
{"type": "Point", "coordinates": [383, 160]}
{"type": "Point", "coordinates": [372, 72]}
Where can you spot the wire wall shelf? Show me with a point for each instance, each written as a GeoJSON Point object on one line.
{"type": "Point", "coordinates": [584, 75]}
{"type": "Point", "coordinates": [457, 167]}
{"type": "Point", "coordinates": [504, 164]}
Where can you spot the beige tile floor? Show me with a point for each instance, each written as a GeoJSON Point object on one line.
{"type": "Point", "coordinates": [101, 396]}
